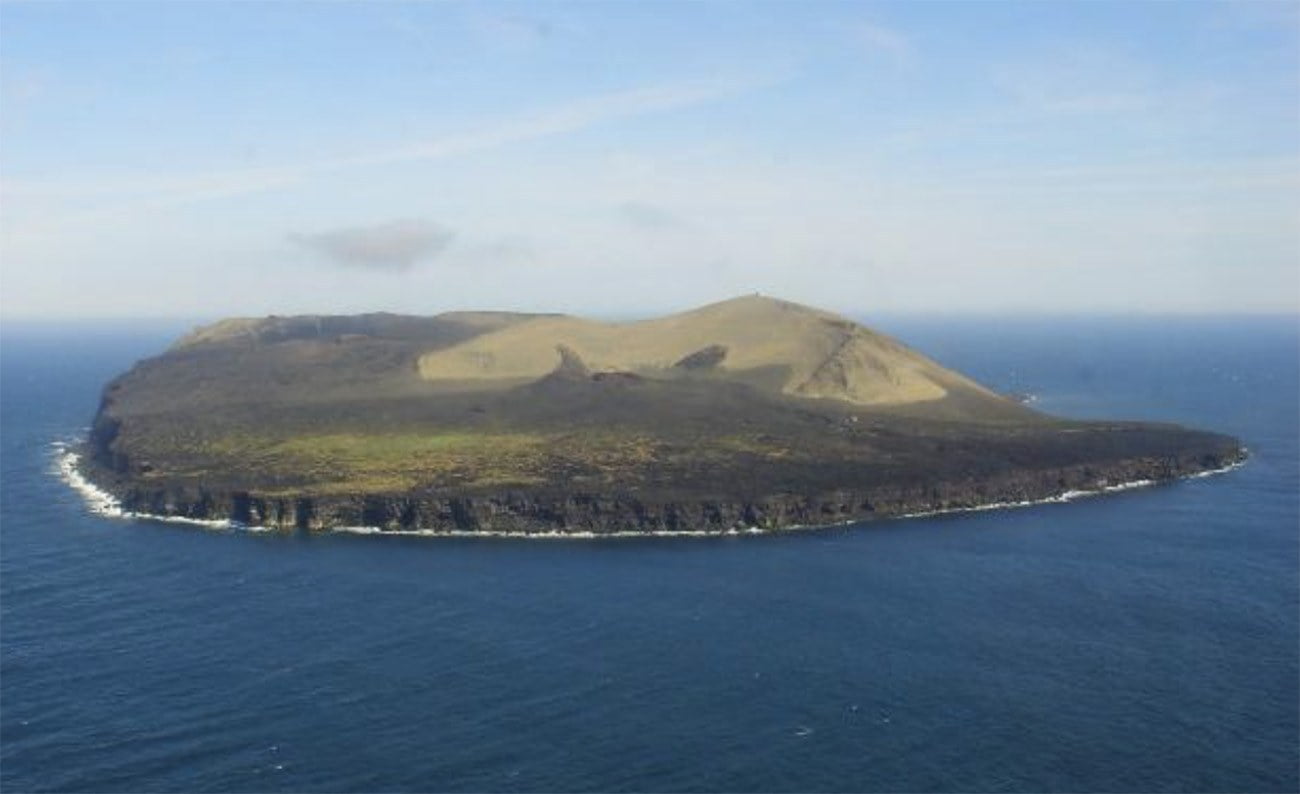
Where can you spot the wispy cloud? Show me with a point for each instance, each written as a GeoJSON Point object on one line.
{"type": "Point", "coordinates": [21, 89]}
{"type": "Point", "coordinates": [133, 186]}
{"type": "Point", "coordinates": [649, 217]}
{"type": "Point", "coordinates": [118, 195]}
{"type": "Point", "coordinates": [392, 246]}
{"type": "Point", "coordinates": [1187, 179]}
{"type": "Point", "coordinates": [495, 252]}
{"type": "Point", "coordinates": [566, 118]}
{"type": "Point", "coordinates": [1080, 79]}
{"type": "Point", "coordinates": [513, 30]}
{"type": "Point", "coordinates": [45, 208]}
{"type": "Point", "coordinates": [892, 43]}
{"type": "Point", "coordinates": [19, 85]}
{"type": "Point", "coordinates": [1250, 15]}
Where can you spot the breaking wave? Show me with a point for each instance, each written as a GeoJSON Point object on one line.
{"type": "Point", "coordinates": [103, 503]}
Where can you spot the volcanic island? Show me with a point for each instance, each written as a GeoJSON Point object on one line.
{"type": "Point", "coordinates": [752, 414]}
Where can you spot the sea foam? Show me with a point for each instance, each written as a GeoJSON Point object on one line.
{"type": "Point", "coordinates": [103, 503]}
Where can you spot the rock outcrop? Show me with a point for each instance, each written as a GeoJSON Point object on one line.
{"type": "Point", "coordinates": [609, 513]}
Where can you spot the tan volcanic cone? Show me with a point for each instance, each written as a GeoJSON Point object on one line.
{"type": "Point", "coordinates": [795, 349]}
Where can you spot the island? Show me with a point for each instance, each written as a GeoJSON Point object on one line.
{"type": "Point", "coordinates": [752, 414]}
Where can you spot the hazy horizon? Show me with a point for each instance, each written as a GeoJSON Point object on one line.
{"type": "Point", "coordinates": [210, 160]}
{"type": "Point", "coordinates": [860, 315]}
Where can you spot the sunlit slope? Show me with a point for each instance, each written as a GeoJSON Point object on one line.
{"type": "Point", "coordinates": [262, 331]}
{"type": "Point", "coordinates": [794, 349]}
{"type": "Point", "coordinates": [296, 360]}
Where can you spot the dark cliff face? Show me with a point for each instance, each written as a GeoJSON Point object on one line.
{"type": "Point", "coordinates": [546, 511]}
{"type": "Point", "coordinates": [104, 430]}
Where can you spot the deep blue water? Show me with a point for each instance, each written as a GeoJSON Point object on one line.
{"type": "Point", "coordinates": [1141, 641]}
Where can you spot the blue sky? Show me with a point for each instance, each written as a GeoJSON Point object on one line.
{"type": "Point", "coordinates": [204, 159]}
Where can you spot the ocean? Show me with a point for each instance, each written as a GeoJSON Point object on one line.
{"type": "Point", "coordinates": [1146, 640]}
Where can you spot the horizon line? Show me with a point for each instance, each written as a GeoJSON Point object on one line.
{"type": "Point", "coordinates": [35, 319]}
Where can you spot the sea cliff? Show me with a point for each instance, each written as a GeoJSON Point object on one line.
{"type": "Point", "coordinates": [609, 513]}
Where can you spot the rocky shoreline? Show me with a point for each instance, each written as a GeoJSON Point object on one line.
{"type": "Point", "coordinates": [548, 512]}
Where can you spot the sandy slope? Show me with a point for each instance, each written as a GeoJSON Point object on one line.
{"type": "Point", "coordinates": [796, 349]}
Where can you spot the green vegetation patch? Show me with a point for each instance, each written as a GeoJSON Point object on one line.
{"type": "Point", "coordinates": [357, 461]}
{"type": "Point", "coordinates": [397, 461]}
{"type": "Point", "coordinates": [381, 448]}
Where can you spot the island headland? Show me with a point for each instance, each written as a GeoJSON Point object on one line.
{"type": "Point", "coordinates": [752, 413]}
